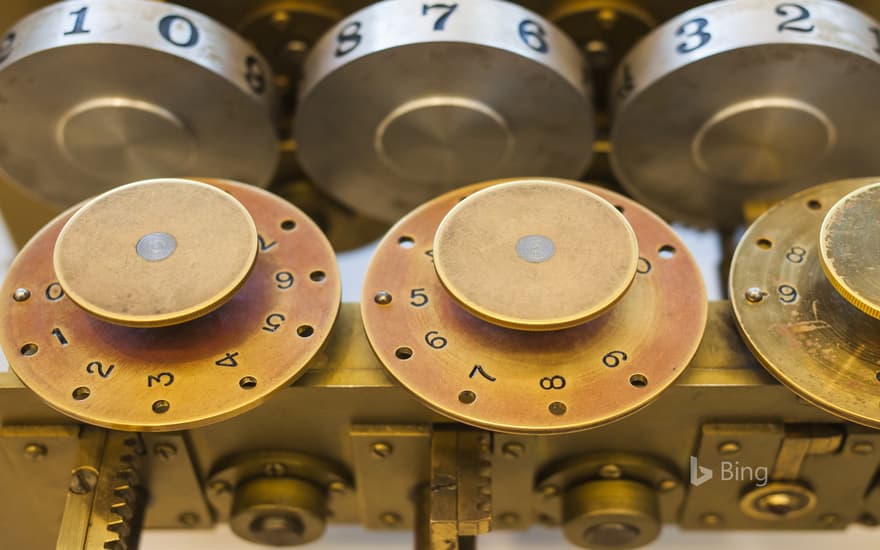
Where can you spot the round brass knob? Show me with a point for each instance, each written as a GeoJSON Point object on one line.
{"type": "Point", "coordinates": [278, 512]}
{"type": "Point", "coordinates": [156, 253]}
{"type": "Point", "coordinates": [850, 251]}
{"type": "Point", "coordinates": [611, 514]}
{"type": "Point", "coordinates": [535, 255]}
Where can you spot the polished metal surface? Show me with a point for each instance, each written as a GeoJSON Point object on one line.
{"type": "Point", "coordinates": [708, 118]}
{"type": "Point", "coordinates": [113, 92]}
{"type": "Point", "coordinates": [798, 325]}
{"type": "Point", "coordinates": [401, 102]}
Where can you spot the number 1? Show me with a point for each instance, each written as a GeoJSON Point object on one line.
{"type": "Point", "coordinates": [79, 23]}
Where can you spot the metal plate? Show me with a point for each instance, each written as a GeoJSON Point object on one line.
{"type": "Point", "coordinates": [546, 382]}
{"type": "Point", "coordinates": [741, 101]}
{"type": "Point", "coordinates": [103, 93]}
{"type": "Point", "coordinates": [803, 331]}
{"type": "Point", "coordinates": [401, 102]}
{"type": "Point", "coordinates": [188, 375]}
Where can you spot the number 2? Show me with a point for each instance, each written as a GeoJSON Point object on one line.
{"type": "Point", "coordinates": [695, 28]}
{"type": "Point", "coordinates": [440, 23]}
{"type": "Point", "coordinates": [803, 15]}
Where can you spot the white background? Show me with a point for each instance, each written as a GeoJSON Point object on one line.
{"type": "Point", "coordinates": [706, 248]}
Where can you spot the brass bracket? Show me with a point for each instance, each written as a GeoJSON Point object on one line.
{"type": "Point", "coordinates": [780, 476]}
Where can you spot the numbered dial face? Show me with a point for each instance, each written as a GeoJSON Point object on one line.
{"type": "Point", "coordinates": [187, 375]}
{"type": "Point", "coordinates": [746, 101]}
{"type": "Point", "coordinates": [111, 92]}
{"type": "Point", "coordinates": [405, 100]}
{"type": "Point", "coordinates": [798, 325]}
{"type": "Point", "coordinates": [518, 381]}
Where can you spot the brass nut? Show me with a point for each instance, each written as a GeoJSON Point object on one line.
{"type": "Point", "coordinates": [779, 500]}
{"type": "Point", "coordinates": [611, 514]}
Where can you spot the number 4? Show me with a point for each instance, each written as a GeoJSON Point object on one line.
{"type": "Point", "coordinates": [440, 23]}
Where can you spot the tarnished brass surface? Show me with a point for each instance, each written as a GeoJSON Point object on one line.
{"type": "Point", "coordinates": [806, 334]}
{"type": "Point", "coordinates": [156, 253]}
{"type": "Point", "coordinates": [848, 247]}
{"type": "Point", "coordinates": [516, 381]}
{"type": "Point", "coordinates": [186, 375]}
{"type": "Point", "coordinates": [535, 255]}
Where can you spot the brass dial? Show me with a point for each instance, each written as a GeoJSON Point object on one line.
{"type": "Point", "coordinates": [517, 380]}
{"type": "Point", "coordinates": [217, 365]}
{"type": "Point", "coordinates": [784, 288]}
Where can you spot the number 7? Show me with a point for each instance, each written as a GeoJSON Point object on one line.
{"type": "Point", "coordinates": [440, 23]}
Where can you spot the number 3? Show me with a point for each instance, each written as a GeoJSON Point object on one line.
{"type": "Point", "coordinates": [698, 30]}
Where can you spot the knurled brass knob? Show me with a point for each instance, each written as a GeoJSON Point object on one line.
{"type": "Point", "coordinates": [611, 514]}
{"type": "Point", "coordinates": [850, 251]}
{"type": "Point", "coordinates": [156, 253]}
{"type": "Point", "coordinates": [535, 255]}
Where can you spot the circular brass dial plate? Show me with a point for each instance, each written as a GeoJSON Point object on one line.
{"type": "Point", "coordinates": [745, 101]}
{"type": "Point", "coordinates": [187, 375]}
{"type": "Point", "coordinates": [396, 105]}
{"type": "Point", "coordinates": [539, 382]}
{"type": "Point", "coordinates": [569, 255]}
{"type": "Point", "coordinates": [156, 253]}
{"type": "Point", "coordinates": [803, 331]}
{"type": "Point", "coordinates": [75, 90]}
{"type": "Point", "coordinates": [850, 248]}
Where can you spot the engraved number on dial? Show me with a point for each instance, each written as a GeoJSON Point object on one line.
{"type": "Point", "coordinates": [787, 294]}
{"type": "Point", "coordinates": [418, 298]}
{"type": "Point", "coordinates": [433, 339]}
{"type": "Point", "coordinates": [54, 292]}
{"type": "Point", "coordinates": [97, 367]}
{"type": "Point", "coordinates": [694, 31]}
{"type": "Point", "coordinates": [175, 34]}
{"type": "Point", "coordinates": [555, 382]}
{"type": "Point", "coordinates": [62, 339]}
{"type": "Point", "coordinates": [79, 22]}
{"type": "Point", "coordinates": [228, 360]}
{"type": "Point", "coordinates": [447, 11]}
{"type": "Point", "coordinates": [874, 30]}
{"type": "Point", "coordinates": [796, 254]}
{"type": "Point", "coordinates": [797, 13]}
{"type": "Point", "coordinates": [266, 246]}
{"type": "Point", "coordinates": [534, 36]}
{"type": "Point", "coordinates": [8, 42]}
{"type": "Point", "coordinates": [161, 379]}
{"type": "Point", "coordinates": [348, 39]}
{"type": "Point", "coordinates": [614, 358]}
{"type": "Point", "coordinates": [478, 369]}
{"type": "Point", "coordinates": [284, 280]}
{"type": "Point", "coordinates": [274, 322]}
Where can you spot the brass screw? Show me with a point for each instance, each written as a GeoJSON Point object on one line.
{"type": "Point", "coordinates": [21, 294]}
{"type": "Point", "coordinates": [610, 471]}
{"type": "Point", "coordinates": [710, 519]}
{"type": "Point", "coordinates": [728, 448]}
{"type": "Point", "coordinates": [165, 451]}
{"type": "Point", "coordinates": [390, 519]}
{"type": "Point", "coordinates": [297, 46]}
{"type": "Point", "coordinates": [380, 449]}
{"type": "Point", "coordinates": [336, 487]}
{"type": "Point", "coordinates": [188, 519]}
{"type": "Point", "coordinates": [607, 18]}
{"type": "Point", "coordinates": [35, 451]}
{"type": "Point", "coordinates": [513, 449]}
{"type": "Point", "coordinates": [280, 19]}
{"type": "Point", "coordinates": [219, 487]}
{"type": "Point", "coordinates": [828, 520]}
{"type": "Point", "coordinates": [549, 491]}
{"type": "Point", "coordinates": [383, 298]}
{"type": "Point", "coordinates": [754, 295]}
{"type": "Point", "coordinates": [83, 480]}
{"type": "Point", "coordinates": [863, 447]}
{"type": "Point", "coordinates": [668, 485]}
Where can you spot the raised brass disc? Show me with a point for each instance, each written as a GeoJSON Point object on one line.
{"type": "Point", "coordinates": [81, 114]}
{"type": "Point", "coordinates": [791, 316]}
{"type": "Point", "coordinates": [850, 248]}
{"type": "Point", "coordinates": [743, 102]}
{"type": "Point", "coordinates": [569, 254]}
{"type": "Point", "coordinates": [532, 382]}
{"type": "Point", "coordinates": [156, 253]}
{"type": "Point", "coordinates": [187, 375]}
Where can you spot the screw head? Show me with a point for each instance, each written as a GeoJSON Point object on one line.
{"type": "Point", "coordinates": [275, 469]}
{"type": "Point", "coordinates": [513, 449]}
{"type": "Point", "coordinates": [728, 448]}
{"type": "Point", "coordinates": [382, 298]}
{"type": "Point", "coordinates": [188, 519]}
{"type": "Point", "coordinates": [668, 485]}
{"type": "Point", "coordinates": [35, 451]}
{"type": "Point", "coordinates": [710, 519]}
{"type": "Point", "coordinates": [754, 295]}
{"type": "Point", "coordinates": [390, 519]}
{"type": "Point", "coordinates": [863, 447]}
{"type": "Point", "coordinates": [83, 480]}
{"type": "Point", "coordinates": [21, 294]}
{"type": "Point", "coordinates": [381, 449]}
{"type": "Point", "coordinates": [220, 487]}
{"type": "Point", "coordinates": [549, 491]}
{"type": "Point", "coordinates": [610, 471]}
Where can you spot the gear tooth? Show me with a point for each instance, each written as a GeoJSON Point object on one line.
{"type": "Point", "coordinates": [123, 510]}
{"type": "Point", "coordinates": [125, 492]}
